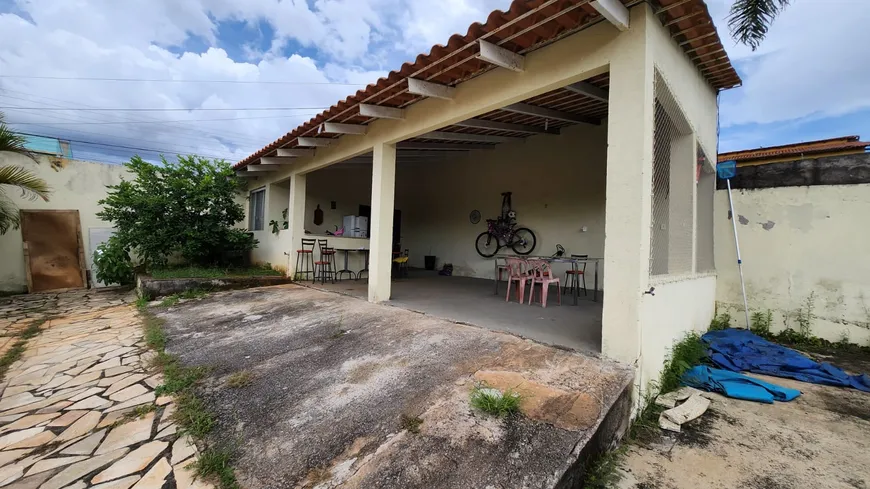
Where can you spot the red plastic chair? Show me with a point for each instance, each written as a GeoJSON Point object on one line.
{"type": "Point", "coordinates": [543, 276]}
{"type": "Point", "coordinates": [518, 271]}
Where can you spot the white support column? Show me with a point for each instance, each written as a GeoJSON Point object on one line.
{"type": "Point", "coordinates": [628, 190]}
{"type": "Point", "coordinates": [381, 238]}
{"type": "Point", "coordinates": [296, 218]}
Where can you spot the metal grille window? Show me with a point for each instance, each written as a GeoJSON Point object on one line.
{"type": "Point", "coordinates": [704, 214]}
{"type": "Point", "coordinates": [257, 209]}
{"type": "Point", "coordinates": [673, 182]}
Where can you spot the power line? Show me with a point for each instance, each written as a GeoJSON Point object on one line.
{"type": "Point", "coordinates": [163, 122]}
{"type": "Point", "coordinates": [153, 150]}
{"type": "Point", "coordinates": [171, 109]}
{"type": "Point", "coordinates": [197, 134]}
{"type": "Point", "coordinates": [169, 80]}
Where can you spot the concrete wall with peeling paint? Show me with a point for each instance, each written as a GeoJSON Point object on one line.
{"type": "Point", "coordinates": [799, 243]}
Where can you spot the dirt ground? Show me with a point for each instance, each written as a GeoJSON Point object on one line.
{"type": "Point", "coordinates": [819, 440]}
{"type": "Point", "coordinates": [334, 376]}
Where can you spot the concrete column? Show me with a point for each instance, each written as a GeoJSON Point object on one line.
{"type": "Point", "coordinates": [681, 204]}
{"type": "Point", "coordinates": [296, 218]}
{"type": "Point", "coordinates": [629, 183]}
{"type": "Point", "coordinates": [381, 239]}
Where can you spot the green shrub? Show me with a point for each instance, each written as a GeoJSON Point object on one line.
{"type": "Point", "coordinates": [722, 321]}
{"type": "Point", "coordinates": [761, 322]}
{"type": "Point", "coordinates": [112, 263]}
{"type": "Point", "coordinates": [186, 208]}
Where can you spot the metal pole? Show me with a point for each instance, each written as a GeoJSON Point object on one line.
{"type": "Point", "coordinates": [737, 245]}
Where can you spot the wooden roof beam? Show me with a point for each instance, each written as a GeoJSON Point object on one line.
{"type": "Point", "coordinates": [500, 56]}
{"type": "Point", "coordinates": [614, 11]}
{"type": "Point", "coordinates": [505, 126]}
{"type": "Point", "coordinates": [589, 90]}
{"type": "Point", "coordinates": [381, 112]}
{"type": "Point", "coordinates": [294, 152]}
{"type": "Point", "coordinates": [414, 145]}
{"type": "Point", "coordinates": [528, 109]}
{"type": "Point", "coordinates": [313, 142]}
{"type": "Point", "coordinates": [337, 128]}
{"type": "Point", "coordinates": [429, 89]}
{"type": "Point", "coordinates": [462, 136]}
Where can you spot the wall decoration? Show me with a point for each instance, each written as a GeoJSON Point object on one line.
{"type": "Point", "coordinates": [474, 217]}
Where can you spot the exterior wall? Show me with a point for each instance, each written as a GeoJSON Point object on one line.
{"type": "Point", "coordinates": [558, 185]}
{"type": "Point", "coordinates": [679, 305]}
{"type": "Point", "coordinates": [796, 242]}
{"type": "Point", "coordinates": [682, 302]}
{"type": "Point", "coordinates": [75, 185]}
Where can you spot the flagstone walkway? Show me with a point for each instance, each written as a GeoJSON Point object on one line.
{"type": "Point", "coordinates": [69, 406]}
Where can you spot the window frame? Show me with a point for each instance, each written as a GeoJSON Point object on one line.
{"type": "Point", "coordinates": [253, 210]}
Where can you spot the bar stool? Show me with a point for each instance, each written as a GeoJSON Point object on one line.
{"type": "Point", "coordinates": [326, 262]}
{"type": "Point", "coordinates": [304, 258]}
{"type": "Point", "coordinates": [366, 269]}
{"type": "Point", "coordinates": [573, 276]}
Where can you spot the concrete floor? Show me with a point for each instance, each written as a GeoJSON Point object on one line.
{"type": "Point", "coordinates": [333, 378]}
{"type": "Point", "coordinates": [472, 301]}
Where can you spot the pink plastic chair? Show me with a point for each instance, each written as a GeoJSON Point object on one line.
{"type": "Point", "coordinates": [543, 276]}
{"type": "Point", "coordinates": [518, 271]}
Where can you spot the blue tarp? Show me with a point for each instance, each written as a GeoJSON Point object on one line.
{"type": "Point", "coordinates": [737, 385]}
{"type": "Point", "coordinates": [740, 350]}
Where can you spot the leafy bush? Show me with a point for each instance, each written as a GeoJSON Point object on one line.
{"type": "Point", "coordinates": [720, 322]}
{"type": "Point", "coordinates": [112, 263]}
{"type": "Point", "coordinates": [187, 207]}
{"type": "Point", "coordinates": [761, 322]}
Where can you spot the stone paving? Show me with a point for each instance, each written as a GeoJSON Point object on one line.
{"type": "Point", "coordinates": [79, 410]}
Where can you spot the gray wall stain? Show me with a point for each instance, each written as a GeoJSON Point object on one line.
{"type": "Point", "coordinates": [767, 225]}
{"type": "Point", "coordinates": [743, 220]}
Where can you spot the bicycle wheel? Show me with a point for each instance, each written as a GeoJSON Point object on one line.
{"type": "Point", "coordinates": [486, 244]}
{"type": "Point", "coordinates": [524, 241]}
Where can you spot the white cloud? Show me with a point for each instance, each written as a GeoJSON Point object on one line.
{"type": "Point", "coordinates": [811, 66]}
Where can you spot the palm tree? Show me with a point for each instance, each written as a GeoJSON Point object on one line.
{"type": "Point", "coordinates": [749, 20]}
{"type": "Point", "coordinates": [29, 184]}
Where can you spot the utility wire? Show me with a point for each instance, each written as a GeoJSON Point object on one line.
{"type": "Point", "coordinates": [164, 122]}
{"type": "Point", "coordinates": [168, 80]}
{"type": "Point", "coordinates": [119, 146]}
{"type": "Point", "coordinates": [209, 136]}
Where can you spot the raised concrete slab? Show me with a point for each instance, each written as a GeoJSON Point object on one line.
{"type": "Point", "coordinates": [333, 376]}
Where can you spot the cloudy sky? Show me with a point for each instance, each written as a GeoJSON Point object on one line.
{"type": "Point", "coordinates": [807, 81]}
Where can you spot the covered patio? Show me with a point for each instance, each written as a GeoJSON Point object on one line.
{"type": "Point", "coordinates": [596, 116]}
{"type": "Point", "coordinates": [471, 301]}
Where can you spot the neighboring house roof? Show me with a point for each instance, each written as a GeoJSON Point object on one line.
{"type": "Point", "coordinates": [47, 145]}
{"type": "Point", "coordinates": [526, 26]}
{"type": "Point", "coordinates": [845, 144]}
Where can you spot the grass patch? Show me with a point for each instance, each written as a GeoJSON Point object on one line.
{"type": "Point", "coordinates": [213, 272]}
{"type": "Point", "coordinates": [14, 353]}
{"type": "Point", "coordinates": [494, 402]}
{"type": "Point", "coordinates": [720, 322]}
{"type": "Point", "coordinates": [603, 471]}
{"type": "Point", "coordinates": [174, 299]}
{"type": "Point", "coordinates": [191, 413]}
{"type": "Point", "coordinates": [215, 464]}
{"type": "Point", "coordinates": [410, 423]}
{"type": "Point", "coordinates": [338, 334]}
{"type": "Point", "coordinates": [240, 379]}
{"type": "Point", "coordinates": [141, 303]}
{"type": "Point", "coordinates": [141, 410]}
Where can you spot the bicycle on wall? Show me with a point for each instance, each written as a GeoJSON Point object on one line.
{"type": "Point", "coordinates": [503, 233]}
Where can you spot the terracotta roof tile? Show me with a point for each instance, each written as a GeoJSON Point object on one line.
{"type": "Point", "coordinates": [797, 149]}
{"type": "Point", "coordinates": [527, 25]}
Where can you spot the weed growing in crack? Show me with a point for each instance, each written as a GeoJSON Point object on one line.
{"type": "Point", "coordinates": [14, 353]}
{"type": "Point", "coordinates": [495, 402]}
{"type": "Point", "coordinates": [240, 379]}
{"type": "Point", "coordinates": [410, 423]}
{"type": "Point", "coordinates": [215, 464]}
{"type": "Point", "coordinates": [761, 322]}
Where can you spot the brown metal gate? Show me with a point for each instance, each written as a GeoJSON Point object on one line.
{"type": "Point", "coordinates": [53, 249]}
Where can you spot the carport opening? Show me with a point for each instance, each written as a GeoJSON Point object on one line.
{"type": "Point", "coordinates": [549, 152]}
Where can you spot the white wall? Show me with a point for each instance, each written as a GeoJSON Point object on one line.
{"type": "Point", "coordinates": [557, 184]}
{"type": "Point", "coordinates": [75, 185]}
{"type": "Point", "coordinates": [798, 241]}
{"type": "Point", "coordinates": [680, 305]}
